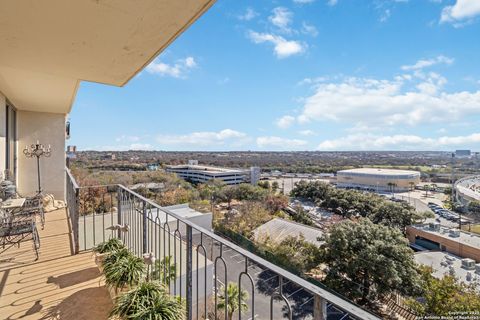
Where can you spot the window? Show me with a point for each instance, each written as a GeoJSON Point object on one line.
{"type": "Point", "coordinates": [11, 143]}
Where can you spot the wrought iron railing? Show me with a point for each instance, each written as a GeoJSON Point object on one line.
{"type": "Point", "coordinates": [203, 262]}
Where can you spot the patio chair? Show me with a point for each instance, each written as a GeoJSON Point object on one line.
{"type": "Point", "coordinates": [34, 206]}
{"type": "Point", "coordinates": [14, 232]}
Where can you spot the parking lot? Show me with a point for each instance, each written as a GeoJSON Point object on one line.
{"type": "Point", "coordinates": [265, 283]}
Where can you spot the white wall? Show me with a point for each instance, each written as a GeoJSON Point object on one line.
{"type": "Point", "coordinates": [48, 128]}
{"type": "Point", "coordinates": [3, 133]}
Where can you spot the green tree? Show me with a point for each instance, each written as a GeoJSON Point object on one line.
{"type": "Point", "coordinates": [234, 300]}
{"type": "Point", "coordinates": [275, 186]}
{"type": "Point", "coordinates": [474, 207]}
{"type": "Point", "coordinates": [366, 262]}
{"type": "Point", "coordinates": [394, 215]}
{"type": "Point", "coordinates": [441, 297]}
{"type": "Point", "coordinates": [426, 188]}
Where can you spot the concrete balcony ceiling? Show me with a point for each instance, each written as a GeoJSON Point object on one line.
{"type": "Point", "coordinates": [47, 47]}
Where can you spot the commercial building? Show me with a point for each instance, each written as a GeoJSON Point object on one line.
{"type": "Point", "coordinates": [378, 179]}
{"type": "Point", "coordinates": [201, 174]}
{"type": "Point", "coordinates": [432, 236]}
{"type": "Point", "coordinates": [466, 270]}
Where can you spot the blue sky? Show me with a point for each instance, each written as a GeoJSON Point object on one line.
{"type": "Point", "coordinates": [301, 75]}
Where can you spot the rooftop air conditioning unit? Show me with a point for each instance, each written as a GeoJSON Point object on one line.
{"type": "Point", "coordinates": [450, 258]}
{"type": "Point", "coordinates": [434, 226]}
{"type": "Point", "coordinates": [469, 276]}
{"type": "Point", "coordinates": [477, 268]}
{"type": "Point", "coordinates": [468, 264]}
{"type": "Point", "coordinates": [455, 233]}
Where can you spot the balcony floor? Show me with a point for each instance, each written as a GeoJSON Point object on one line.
{"type": "Point", "coordinates": [58, 285]}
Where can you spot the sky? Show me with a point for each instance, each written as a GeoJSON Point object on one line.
{"type": "Point", "coordinates": [324, 75]}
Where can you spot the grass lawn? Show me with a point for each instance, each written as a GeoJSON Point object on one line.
{"type": "Point", "coordinates": [474, 228]}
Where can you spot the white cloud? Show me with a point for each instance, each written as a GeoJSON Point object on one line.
{"type": "Point", "coordinates": [279, 143]}
{"type": "Point", "coordinates": [399, 142]}
{"type": "Point", "coordinates": [282, 48]}
{"type": "Point", "coordinates": [281, 18]}
{"type": "Point", "coordinates": [122, 147]}
{"type": "Point", "coordinates": [204, 138]}
{"type": "Point", "coordinates": [285, 122]}
{"type": "Point", "coordinates": [176, 70]}
{"type": "Point", "coordinates": [385, 15]}
{"type": "Point", "coordinates": [309, 29]}
{"type": "Point", "coordinates": [462, 10]}
{"type": "Point", "coordinates": [248, 15]}
{"type": "Point", "coordinates": [424, 63]}
{"type": "Point", "coordinates": [383, 103]}
{"type": "Point", "coordinates": [307, 132]}
{"type": "Point", "coordinates": [332, 2]}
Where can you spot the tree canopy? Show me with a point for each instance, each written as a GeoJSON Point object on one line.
{"type": "Point", "coordinates": [366, 262]}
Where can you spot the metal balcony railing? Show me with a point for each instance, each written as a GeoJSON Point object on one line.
{"type": "Point", "coordinates": [204, 263]}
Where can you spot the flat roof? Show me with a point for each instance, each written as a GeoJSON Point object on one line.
{"type": "Point", "coordinates": [278, 229]}
{"type": "Point", "coordinates": [209, 169]}
{"type": "Point", "coordinates": [466, 238]}
{"type": "Point", "coordinates": [441, 262]}
{"type": "Point", "coordinates": [184, 211]}
{"type": "Point", "coordinates": [380, 171]}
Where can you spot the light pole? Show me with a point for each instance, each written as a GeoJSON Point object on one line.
{"type": "Point", "coordinates": [37, 150]}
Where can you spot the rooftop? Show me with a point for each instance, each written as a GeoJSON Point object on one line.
{"type": "Point", "coordinates": [184, 211]}
{"type": "Point", "coordinates": [209, 169]}
{"type": "Point", "coordinates": [278, 229]}
{"type": "Point", "coordinates": [466, 238]}
{"type": "Point", "coordinates": [380, 171]}
{"type": "Point", "coordinates": [441, 262]}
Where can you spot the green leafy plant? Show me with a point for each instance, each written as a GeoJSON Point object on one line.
{"type": "Point", "coordinates": [109, 246]}
{"type": "Point", "coordinates": [123, 269]}
{"type": "Point", "coordinates": [164, 271]}
{"type": "Point", "coordinates": [231, 303]}
{"type": "Point", "coordinates": [148, 300]}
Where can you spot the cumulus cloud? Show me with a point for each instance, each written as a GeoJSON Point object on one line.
{"type": "Point", "coordinates": [179, 69]}
{"type": "Point", "coordinates": [282, 47]}
{"type": "Point", "coordinates": [307, 132]}
{"type": "Point", "coordinates": [122, 147]}
{"type": "Point", "coordinates": [461, 11]}
{"type": "Point", "coordinates": [204, 138]}
{"type": "Point", "coordinates": [398, 142]}
{"type": "Point", "coordinates": [405, 100]}
{"type": "Point", "coordinates": [424, 63]}
{"type": "Point", "coordinates": [309, 29]}
{"type": "Point", "coordinates": [332, 2]}
{"type": "Point", "coordinates": [249, 14]}
{"type": "Point", "coordinates": [281, 18]}
{"type": "Point", "coordinates": [272, 142]}
{"type": "Point", "coordinates": [285, 122]}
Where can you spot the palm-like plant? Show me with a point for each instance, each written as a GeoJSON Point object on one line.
{"type": "Point", "coordinates": [108, 246]}
{"type": "Point", "coordinates": [123, 270]}
{"type": "Point", "coordinates": [148, 300]}
{"type": "Point", "coordinates": [236, 299]}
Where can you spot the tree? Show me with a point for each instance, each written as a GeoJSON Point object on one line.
{"type": "Point", "coordinates": [426, 188]}
{"type": "Point", "coordinates": [275, 203]}
{"type": "Point", "coordinates": [442, 297]}
{"type": "Point", "coordinates": [366, 262]}
{"type": "Point", "coordinates": [275, 186]}
{"type": "Point", "coordinates": [474, 207]}
{"type": "Point", "coordinates": [393, 215]}
{"type": "Point", "coordinates": [235, 300]}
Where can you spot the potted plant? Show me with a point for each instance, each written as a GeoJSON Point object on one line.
{"type": "Point", "coordinates": [104, 248]}
{"type": "Point", "coordinates": [148, 300]}
{"type": "Point", "coordinates": [122, 270]}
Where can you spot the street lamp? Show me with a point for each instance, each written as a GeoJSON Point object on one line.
{"type": "Point", "coordinates": [37, 150]}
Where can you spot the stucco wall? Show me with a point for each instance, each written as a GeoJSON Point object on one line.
{"type": "Point", "coordinates": [48, 128]}
{"type": "Point", "coordinates": [3, 133]}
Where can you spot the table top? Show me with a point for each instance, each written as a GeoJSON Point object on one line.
{"type": "Point", "coordinates": [12, 203]}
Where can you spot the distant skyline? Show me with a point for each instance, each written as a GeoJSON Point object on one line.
{"type": "Point", "coordinates": [327, 75]}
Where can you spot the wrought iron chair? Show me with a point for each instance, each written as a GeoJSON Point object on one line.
{"type": "Point", "coordinates": [32, 207]}
{"type": "Point", "coordinates": [13, 231]}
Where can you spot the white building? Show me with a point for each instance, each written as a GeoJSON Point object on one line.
{"type": "Point", "coordinates": [201, 174]}
{"type": "Point", "coordinates": [376, 179]}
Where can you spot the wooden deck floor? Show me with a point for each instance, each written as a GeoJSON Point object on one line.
{"type": "Point", "coordinates": [58, 285]}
